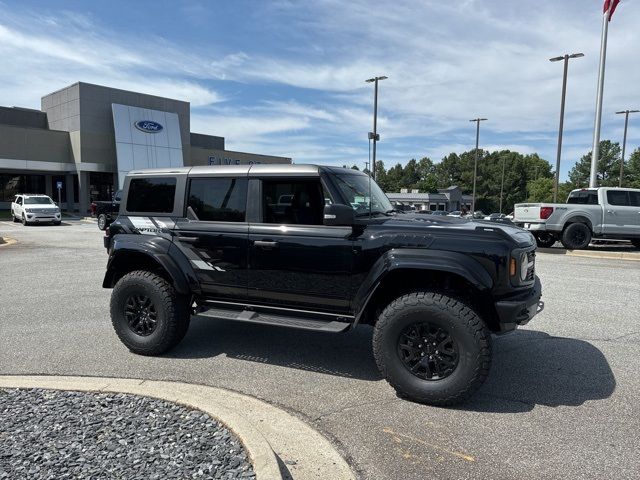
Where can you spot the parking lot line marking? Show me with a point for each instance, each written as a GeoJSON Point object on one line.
{"type": "Point", "coordinates": [396, 436]}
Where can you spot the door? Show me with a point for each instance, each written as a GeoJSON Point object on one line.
{"type": "Point", "coordinates": [294, 260]}
{"type": "Point", "coordinates": [214, 235]}
{"type": "Point", "coordinates": [621, 217]}
{"type": "Point", "coordinates": [18, 208]}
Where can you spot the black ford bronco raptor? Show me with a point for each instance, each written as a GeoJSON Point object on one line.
{"type": "Point", "coordinates": [318, 248]}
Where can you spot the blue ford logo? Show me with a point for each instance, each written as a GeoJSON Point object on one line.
{"type": "Point", "coordinates": [148, 126]}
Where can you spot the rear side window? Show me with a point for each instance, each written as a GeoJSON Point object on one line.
{"type": "Point", "coordinates": [218, 199]}
{"type": "Point", "coordinates": [619, 198]}
{"type": "Point", "coordinates": [584, 197]}
{"type": "Point", "coordinates": [635, 199]}
{"type": "Point", "coordinates": [154, 195]}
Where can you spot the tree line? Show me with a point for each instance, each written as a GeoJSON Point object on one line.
{"type": "Point", "coordinates": [527, 177]}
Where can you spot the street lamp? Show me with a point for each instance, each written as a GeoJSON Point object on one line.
{"type": "Point", "coordinates": [624, 138]}
{"type": "Point", "coordinates": [475, 164]}
{"type": "Point", "coordinates": [374, 135]}
{"type": "Point", "coordinates": [566, 58]}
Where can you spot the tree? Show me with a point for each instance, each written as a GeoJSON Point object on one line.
{"type": "Point", "coordinates": [608, 167]}
{"type": "Point", "coordinates": [632, 170]}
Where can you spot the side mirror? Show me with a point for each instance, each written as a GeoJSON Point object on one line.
{"type": "Point", "coordinates": [337, 215]}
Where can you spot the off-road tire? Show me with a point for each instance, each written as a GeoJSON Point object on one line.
{"type": "Point", "coordinates": [470, 333]}
{"type": "Point", "coordinates": [576, 236]}
{"type": "Point", "coordinates": [173, 314]}
{"type": "Point", "coordinates": [545, 240]}
{"type": "Point", "coordinates": [102, 222]}
{"type": "Point", "coordinates": [636, 242]}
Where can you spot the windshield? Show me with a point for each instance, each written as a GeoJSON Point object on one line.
{"type": "Point", "coordinates": [38, 201]}
{"type": "Point", "coordinates": [355, 189]}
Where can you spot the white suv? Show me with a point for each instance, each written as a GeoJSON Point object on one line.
{"type": "Point", "coordinates": [32, 208]}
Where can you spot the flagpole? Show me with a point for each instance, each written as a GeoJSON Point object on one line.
{"type": "Point", "coordinates": [593, 180]}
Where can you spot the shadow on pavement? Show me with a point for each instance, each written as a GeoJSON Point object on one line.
{"type": "Point", "coordinates": [342, 354]}
{"type": "Point", "coordinates": [533, 368]}
{"type": "Point", "coordinates": [530, 368]}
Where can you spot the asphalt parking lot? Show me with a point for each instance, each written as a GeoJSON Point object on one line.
{"type": "Point", "coordinates": [561, 400]}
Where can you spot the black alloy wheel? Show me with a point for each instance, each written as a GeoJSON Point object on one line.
{"type": "Point", "coordinates": [141, 315]}
{"type": "Point", "coordinates": [545, 239]}
{"type": "Point", "coordinates": [576, 236]}
{"type": "Point", "coordinates": [428, 351]}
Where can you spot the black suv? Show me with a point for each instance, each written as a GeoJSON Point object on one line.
{"type": "Point", "coordinates": [318, 248]}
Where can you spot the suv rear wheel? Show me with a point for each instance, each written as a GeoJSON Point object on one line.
{"type": "Point", "coordinates": [545, 239]}
{"type": "Point", "coordinates": [432, 348]}
{"type": "Point", "coordinates": [147, 314]}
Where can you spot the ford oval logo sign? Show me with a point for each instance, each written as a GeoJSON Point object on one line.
{"type": "Point", "coordinates": [148, 126]}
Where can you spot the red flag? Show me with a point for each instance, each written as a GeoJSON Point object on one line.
{"type": "Point", "coordinates": [610, 6]}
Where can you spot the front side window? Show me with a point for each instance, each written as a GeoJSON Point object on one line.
{"type": "Point", "coordinates": [363, 194]}
{"type": "Point", "coordinates": [154, 195]}
{"type": "Point", "coordinates": [218, 199]}
{"type": "Point", "coordinates": [617, 197]}
{"type": "Point", "coordinates": [293, 202]}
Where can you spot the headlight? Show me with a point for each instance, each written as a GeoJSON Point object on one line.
{"type": "Point", "coordinates": [27, 210]}
{"type": "Point", "coordinates": [524, 266]}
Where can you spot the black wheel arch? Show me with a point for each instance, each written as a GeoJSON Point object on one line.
{"type": "Point", "coordinates": [131, 257]}
{"type": "Point", "coordinates": [403, 271]}
{"type": "Point", "coordinates": [579, 219]}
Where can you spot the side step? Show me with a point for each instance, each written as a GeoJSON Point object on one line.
{"type": "Point", "coordinates": [250, 316]}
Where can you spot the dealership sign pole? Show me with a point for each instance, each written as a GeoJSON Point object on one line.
{"type": "Point", "coordinates": [608, 9]}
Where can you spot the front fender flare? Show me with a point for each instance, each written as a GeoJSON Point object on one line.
{"type": "Point", "coordinates": [420, 259]}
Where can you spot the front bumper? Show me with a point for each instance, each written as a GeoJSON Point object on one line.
{"type": "Point", "coordinates": [520, 309]}
{"type": "Point", "coordinates": [43, 217]}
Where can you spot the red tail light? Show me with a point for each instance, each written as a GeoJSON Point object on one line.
{"type": "Point", "coordinates": [545, 212]}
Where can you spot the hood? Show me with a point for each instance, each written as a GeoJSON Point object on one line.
{"type": "Point", "coordinates": [415, 220]}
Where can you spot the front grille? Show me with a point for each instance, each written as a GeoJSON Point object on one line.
{"type": "Point", "coordinates": [531, 271]}
{"type": "Point", "coordinates": [41, 210]}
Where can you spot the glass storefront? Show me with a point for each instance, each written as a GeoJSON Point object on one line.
{"type": "Point", "coordinates": [12, 184]}
{"type": "Point", "coordinates": [100, 186]}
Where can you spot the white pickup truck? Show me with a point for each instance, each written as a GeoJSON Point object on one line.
{"type": "Point", "coordinates": [589, 213]}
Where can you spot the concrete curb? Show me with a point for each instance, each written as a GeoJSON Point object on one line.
{"type": "Point", "coordinates": [592, 254]}
{"type": "Point", "coordinates": [7, 241]}
{"type": "Point", "coordinates": [266, 432]}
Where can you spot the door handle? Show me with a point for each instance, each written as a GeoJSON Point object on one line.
{"type": "Point", "coordinates": [265, 244]}
{"type": "Point", "coordinates": [611, 212]}
{"type": "Point", "coordinates": [187, 239]}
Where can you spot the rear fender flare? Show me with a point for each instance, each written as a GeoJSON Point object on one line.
{"type": "Point", "coordinates": [158, 250]}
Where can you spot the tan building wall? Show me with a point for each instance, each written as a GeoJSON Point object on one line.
{"type": "Point", "coordinates": [204, 156]}
{"type": "Point", "coordinates": [35, 144]}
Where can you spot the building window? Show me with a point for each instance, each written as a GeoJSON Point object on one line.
{"type": "Point", "coordinates": [13, 184]}
{"type": "Point", "coordinates": [101, 186]}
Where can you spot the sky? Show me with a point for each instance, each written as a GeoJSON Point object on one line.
{"type": "Point", "coordinates": [287, 77]}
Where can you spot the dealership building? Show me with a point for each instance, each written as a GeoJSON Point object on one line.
{"type": "Point", "coordinates": [86, 137]}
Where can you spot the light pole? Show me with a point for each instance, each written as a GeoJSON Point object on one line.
{"type": "Point", "coordinates": [504, 161]}
{"type": "Point", "coordinates": [566, 58]}
{"type": "Point", "coordinates": [374, 135]}
{"type": "Point", "coordinates": [475, 163]}
{"type": "Point", "coordinates": [624, 139]}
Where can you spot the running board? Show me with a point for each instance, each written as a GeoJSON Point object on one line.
{"type": "Point", "coordinates": [250, 316]}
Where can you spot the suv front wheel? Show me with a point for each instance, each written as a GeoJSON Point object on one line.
{"type": "Point", "coordinates": [147, 314]}
{"type": "Point", "coordinates": [432, 348]}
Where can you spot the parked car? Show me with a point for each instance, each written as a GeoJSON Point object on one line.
{"type": "Point", "coordinates": [440, 212]}
{"type": "Point", "coordinates": [35, 208]}
{"type": "Point", "coordinates": [455, 213]}
{"type": "Point", "coordinates": [603, 213]}
{"type": "Point", "coordinates": [106, 212]}
{"type": "Point", "coordinates": [434, 289]}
